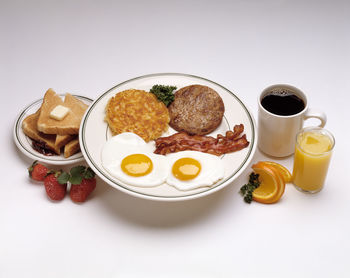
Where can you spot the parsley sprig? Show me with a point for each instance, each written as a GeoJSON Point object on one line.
{"type": "Point", "coordinates": [247, 189]}
{"type": "Point", "coordinates": [164, 93]}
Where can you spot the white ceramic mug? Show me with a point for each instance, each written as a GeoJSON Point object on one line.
{"type": "Point", "coordinates": [276, 133]}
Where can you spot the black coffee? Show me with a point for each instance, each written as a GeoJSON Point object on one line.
{"type": "Point", "coordinates": [283, 103]}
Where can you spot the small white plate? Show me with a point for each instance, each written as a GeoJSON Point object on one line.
{"type": "Point", "coordinates": [24, 143]}
{"type": "Point", "coordinates": [94, 132]}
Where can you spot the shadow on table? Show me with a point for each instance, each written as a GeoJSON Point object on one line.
{"type": "Point", "coordinates": [137, 211]}
{"type": "Point", "coordinates": [156, 214]}
{"type": "Point", "coordinates": [159, 214]}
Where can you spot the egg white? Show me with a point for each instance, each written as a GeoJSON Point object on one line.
{"type": "Point", "coordinates": [124, 144]}
{"type": "Point", "coordinates": [212, 170]}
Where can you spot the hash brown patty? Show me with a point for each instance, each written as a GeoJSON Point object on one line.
{"type": "Point", "coordinates": [139, 112]}
{"type": "Point", "coordinates": [196, 109]}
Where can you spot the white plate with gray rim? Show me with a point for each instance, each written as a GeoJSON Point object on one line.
{"type": "Point", "coordinates": [94, 132]}
{"type": "Point", "coordinates": [24, 143]}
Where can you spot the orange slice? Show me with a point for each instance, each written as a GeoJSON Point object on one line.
{"type": "Point", "coordinates": [282, 185]}
{"type": "Point", "coordinates": [269, 185]}
{"type": "Point", "coordinates": [272, 184]}
{"type": "Point", "coordinates": [287, 176]}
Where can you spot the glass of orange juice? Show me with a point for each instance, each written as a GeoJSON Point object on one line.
{"type": "Point", "coordinates": [313, 151]}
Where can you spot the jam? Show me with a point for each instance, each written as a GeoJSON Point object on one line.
{"type": "Point", "coordinates": [42, 148]}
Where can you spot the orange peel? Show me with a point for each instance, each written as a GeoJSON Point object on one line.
{"type": "Point", "coordinates": [287, 176]}
{"type": "Point", "coordinates": [272, 184]}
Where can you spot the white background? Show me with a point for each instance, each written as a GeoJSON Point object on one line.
{"type": "Point", "coordinates": [87, 47]}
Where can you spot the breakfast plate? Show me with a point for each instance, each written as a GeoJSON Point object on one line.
{"type": "Point", "coordinates": [24, 143]}
{"type": "Point", "coordinates": [94, 133]}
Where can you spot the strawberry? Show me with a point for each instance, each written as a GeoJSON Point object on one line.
{"type": "Point", "coordinates": [79, 192]}
{"type": "Point", "coordinates": [37, 171]}
{"type": "Point", "coordinates": [55, 190]}
{"type": "Point", "coordinates": [83, 182]}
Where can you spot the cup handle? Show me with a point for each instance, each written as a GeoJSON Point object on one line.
{"type": "Point", "coordinates": [311, 113]}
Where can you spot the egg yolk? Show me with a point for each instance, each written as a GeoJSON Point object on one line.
{"type": "Point", "coordinates": [186, 168]}
{"type": "Point", "coordinates": [137, 165]}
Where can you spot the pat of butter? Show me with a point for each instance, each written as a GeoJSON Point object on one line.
{"type": "Point", "coordinates": [59, 112]}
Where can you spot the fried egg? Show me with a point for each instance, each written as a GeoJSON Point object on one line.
{"type": "Point", "coordinates": [192, 169]}
{"type": "Point", "coordinates": [130, 159]}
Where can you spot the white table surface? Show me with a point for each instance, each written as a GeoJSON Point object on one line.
{"type": "Point", "coordinates": [87, 47]}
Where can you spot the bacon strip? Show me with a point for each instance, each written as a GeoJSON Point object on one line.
{"type": "Point", "coordinates": [231, 142]}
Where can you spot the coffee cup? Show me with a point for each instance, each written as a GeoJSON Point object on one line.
{"type": "Point", "coordinates": [282, 112]}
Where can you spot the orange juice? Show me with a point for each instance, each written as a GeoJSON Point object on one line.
{"type": "Point", "coordinates": [313, 151]}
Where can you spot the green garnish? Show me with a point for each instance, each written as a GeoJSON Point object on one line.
{"type": "Point", "coordinates": [76, 175]}
{"type": "Point", "coordinates": [63, 178]}
{"type": "Point", "coordinates": [247, 189]}
{"type": "Point", "coordinates": [164, 93]}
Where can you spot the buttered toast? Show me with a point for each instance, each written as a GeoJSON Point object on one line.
{"type": "Point", "coordinates": [58, 134]}
{"type": "Point", "coordinates": [62, 140]}
{"type": "Point", "coordinates": [29, 127]}
{"type": "Point", "coordinates": [79, 108]}
{"type": "Point", "coordinates": [67, 126]}
{"type": "Point", "coordinates": [71, 148]}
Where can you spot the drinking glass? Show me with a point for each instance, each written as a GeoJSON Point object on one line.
{"type": "Point", "coordinates": [313, 151]}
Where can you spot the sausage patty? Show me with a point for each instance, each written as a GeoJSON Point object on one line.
{"type": "Point", "coordinates": [196, 109]}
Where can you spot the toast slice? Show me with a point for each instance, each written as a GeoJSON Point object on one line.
{"type": "Point", "coordinates": [62, 140]}
{"type": "Point", "coordinates": [77, 106]}
{"type": "Point", "coordinates": [70, 124]}
{"type": "Point", "coordinates": [71, 148]}
{"type": "Point", "coordinates": [29, 127]}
